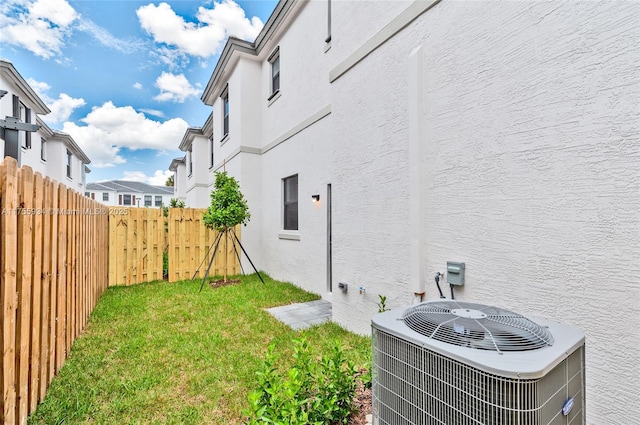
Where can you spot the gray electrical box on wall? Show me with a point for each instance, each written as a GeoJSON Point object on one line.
{"type": "Point", "coordinates": [455, 273]}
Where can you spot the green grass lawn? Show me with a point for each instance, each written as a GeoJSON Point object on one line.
{"type": "Point", "coordinates": [164, 353]}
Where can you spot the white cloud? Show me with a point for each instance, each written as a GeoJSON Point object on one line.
{"type": "Point", "coordinates": [154, 112]}
{"type": "Point", "coordinates": [160, 177]}
{"type": "Point", "coordinates": [174, 88]}
{"type": "Point", "coordinates": [107, 39]}
{"type": "Point", "coordinates": [109, 128]}
{"type": "Point", "coordinates": [39, 26]}
{"type": "Point", "coordinates": [135, 176]}
{"type": "Point", "coordinates": [204, 38]}
{"type": "Point", "coordinates": [42, 27]}
{"type": "Point", "coordinates": [61, 108]}
{"type": "Point", "coordinates": [137, 86]}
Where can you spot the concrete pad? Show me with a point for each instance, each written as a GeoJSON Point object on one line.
{"type": "Point", "coordinates": [303, 315]}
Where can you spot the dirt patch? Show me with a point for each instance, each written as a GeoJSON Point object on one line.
{"type": "Point", "coordinates": [221, 282]}
{"type": "Point", "coordinates": [361, 404]}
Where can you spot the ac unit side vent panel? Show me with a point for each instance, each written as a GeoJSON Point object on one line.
{"type": "Point", "coordinates": [414, 385]}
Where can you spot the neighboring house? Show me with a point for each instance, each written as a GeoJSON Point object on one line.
{"type": "Point", "coordinates": [65, 161]}
{"type": "Point", "coordinates": [198, 145]}
{"type": "Point", "coordinates": [501, 135]}
{"type": "Point", "coordinates": [129, 194]}
{"type": "Point", "coordinates": [49, 152]}
{"type": "Point", "coordinates": [179, 178]}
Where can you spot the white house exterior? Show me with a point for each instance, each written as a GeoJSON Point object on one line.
{"type": "Point", "coordinates": [51, 153]}
{"type": "Point", "coordinates": [129, 194]}
{"type": "Point", "coordinates": [501, 135]}
{"type": "Point", "coordinates": [197, 144]}
{"type": "Point", "coordinates": [179, 178]}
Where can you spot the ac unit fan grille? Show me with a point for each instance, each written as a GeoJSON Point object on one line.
{"type": "Point", "coordinates": [413, 385]}
{"type": "Point", "coordinates": [476, 326]}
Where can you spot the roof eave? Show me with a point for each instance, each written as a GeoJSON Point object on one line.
{"type": "Point", "coordinates": [233, 45]}
{"type": "Point", "coordinates": [12, 74]}
{"type": "Point", "coordinates": [188, 137]}
{"type": "Point", "coordinates": [175, 163]}
{"type": "Point", "coordinates": [68, 140]}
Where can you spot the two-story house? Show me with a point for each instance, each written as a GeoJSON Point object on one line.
{"type": "Point", "coordinates": [376, 141]}
{"type": "Point", "coordinates": [198, 146]}
{"type": "Point", "coordinates": [179, 168]}
{"type": "Point", "coordinates": [129, 194]}
{"type": "Point", "coordinates": [50, 152]}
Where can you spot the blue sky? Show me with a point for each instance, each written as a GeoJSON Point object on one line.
{"type": "Point", "coordinates": [124, 77]}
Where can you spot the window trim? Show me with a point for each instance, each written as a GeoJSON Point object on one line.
{"type": "Point", "coordinates": [211, 150]}
{"type": "Point", "coordinates": [105, 193]}
{"type": "Point", "coordinates": [275, 77]}
{"type": "Point", "coordinates": [225, 111]}
{"type": "Point", "coordinates": [43, 149]}
{"type": "Point", "coordinates": [287, 204]}
{"type": "Point", "coordinates": [69, 155]}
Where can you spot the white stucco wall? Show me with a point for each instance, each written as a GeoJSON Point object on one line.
{"type": "Point", "coordinates": [31, 157]}
{"type": "Point", "coordinates": [197, 185]}
{"type": "Point", "coordinates": [57, 165]}
{"type": "Point", "coordinates": [502, 135]}
{"type": "Point", "coordinates": [531, 161]}
{"type": "Point", "coordinates": [179, 181]}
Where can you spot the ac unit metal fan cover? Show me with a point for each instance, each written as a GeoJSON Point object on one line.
{"type": "Point", "coordinates": [492, 339]}
{"type": "Point", "coordinates": [476, 326]}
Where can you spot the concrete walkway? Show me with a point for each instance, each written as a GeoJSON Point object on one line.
{"type": "Point", "coordinates": [303, 315]}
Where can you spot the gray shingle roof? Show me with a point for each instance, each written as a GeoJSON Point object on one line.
{"type": "Point", "coordinates": [125, 186]}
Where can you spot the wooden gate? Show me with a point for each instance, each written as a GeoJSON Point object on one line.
{"type": "Point", "coordinates": [139, 236]}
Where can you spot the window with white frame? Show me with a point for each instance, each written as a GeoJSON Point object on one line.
{"type": "Point", "coordinates": [225, 111]}
{"type": "Point", "coordinates": [274, 59]}
{"type": "Point", "coordinates": [190, 155]}
{"type": "Point", "coordinates": [126, 199]}
{"type": "Point", "coordinates": [22, 113]}
{"type": "Point", "coordinates": [105, 196]}
{"type": "Point", "coordinates": [147, 200]}
{"type": "Point", "coordinates": [290, 202]}
{"type": "Point", "coordinates": [158, 201]}
{"type": "Point", "coordinates": [69, 154]}
{"type": "Point", "coordinates": [211, 152]}
{"type": "Point", "coordinates": [43, 149]}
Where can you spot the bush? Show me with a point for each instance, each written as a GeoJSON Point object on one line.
{"type": "Point", "coordinates": [312, 392]}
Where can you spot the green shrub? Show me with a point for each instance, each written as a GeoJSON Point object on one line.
{"type": "Point", "coordinates": [313, 391]}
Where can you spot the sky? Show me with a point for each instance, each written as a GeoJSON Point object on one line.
{"type": "Point", "coordinates": [124, 77]}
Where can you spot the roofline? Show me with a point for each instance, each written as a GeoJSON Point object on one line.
{"type": "Point", "coordinates": [207, 127]}
{"type": "Point", "coordinates": [123, 188]}
{"type": "Point", "coordinates": [12, 73]}
{"type": "Point", "coordinates": [175, 163]}
{"type": "Point", "coordinates": [237, 45]}
{"type": "Point", "coordinates": [64, 138]}
{"type": "Point", "coordinates": [44, 127]}
{"type": "Point", "coordinates": [188, 137]}
{"type": "Point", "coordinates": [71, 144]}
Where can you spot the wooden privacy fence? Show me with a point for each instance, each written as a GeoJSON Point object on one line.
{"type": "Point", "coordinates": [138, 237]}
{"type": "Point", "coordinates": [53, 269]}
{"type": "Point", "coordinates": [190, 247]}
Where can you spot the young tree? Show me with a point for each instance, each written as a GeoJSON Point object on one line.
{"type": "Point", "coordinates": [228, 208]}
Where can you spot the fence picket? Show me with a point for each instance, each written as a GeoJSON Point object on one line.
{"type": "Point", "coordinates": [53, 261]}
{"type": "Point", "coordinates": [23, 287]}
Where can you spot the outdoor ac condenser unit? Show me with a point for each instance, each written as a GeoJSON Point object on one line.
{"type": "Point", "coordinates": [456, 363]}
